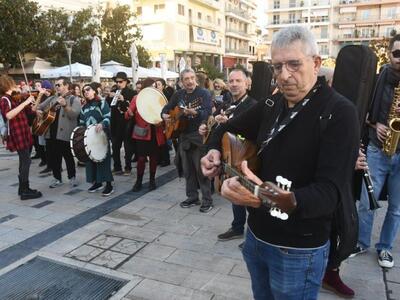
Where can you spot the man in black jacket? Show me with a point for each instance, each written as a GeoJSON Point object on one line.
{"type": "Point", "coordinates": [241, 101]}
{"type": "Point", "coordinates": [286, 248]}
{"type": "Point", "coordinates": [119, 101]}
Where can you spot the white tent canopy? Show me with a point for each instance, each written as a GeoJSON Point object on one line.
{"type": "Point", "coordinates": [115, 67]}
{"type": "Point", "coordinates": [34, 66]}
{"type": "Point", "coordinates": [77, 69]}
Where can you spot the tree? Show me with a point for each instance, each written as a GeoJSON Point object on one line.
{"type": "Point", "coordinates": [59, 27]}
{"type": "Point", "coordinates": [211, 70]}
{"type": "Point", "coordinates": [144, 57]}
{"type": "Point", "coordinates": [19, 29]}
{"type": "Point", "coordinates": [118, 33]}
{"type": "Point", "coordinates": [380, 49]}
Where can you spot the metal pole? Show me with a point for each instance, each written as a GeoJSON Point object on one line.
{"type": "Point", "coordinates": [69, 52]}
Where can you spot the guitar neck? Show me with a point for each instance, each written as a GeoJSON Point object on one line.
{"type": "Point", "coordinates": [253, 188]}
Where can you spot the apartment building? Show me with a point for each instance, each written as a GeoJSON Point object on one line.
{"type": "Point", "coordinates": [70, 5]}
{"type": "Point", "coordinates": [240, 33]}
{"type": "Point", "coordinates": [316, 14]}
{"type": "Point", "coordinates": [193, 29]}
{"type": "Point", "coordinates": [361, 21]}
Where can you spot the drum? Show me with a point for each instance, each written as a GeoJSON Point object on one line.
{"type": "Point", "coordinates": [87, 144]}
{"type": "Point", "coordinates": [150, 102]}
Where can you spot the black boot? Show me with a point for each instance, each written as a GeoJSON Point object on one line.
{"type": "Point", "coordinates": [138, 185]}
{"type": "Point", "coordinates": [27, 193]}
{"type": "Point", "coordinates": [19, 185]}
{"type": "Point", "coordinates": [152, 183]}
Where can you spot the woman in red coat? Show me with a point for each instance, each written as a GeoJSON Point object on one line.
{"type": "Point", "coordinates": [148, 139]}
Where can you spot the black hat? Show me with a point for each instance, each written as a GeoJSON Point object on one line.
{"type": "Point", "coordinates": [121, 75]}
{"type": "Point", "coordinates": [93, 85]}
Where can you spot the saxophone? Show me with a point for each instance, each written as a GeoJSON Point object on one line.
{"type": "Point", "coordinates": [392, 138]}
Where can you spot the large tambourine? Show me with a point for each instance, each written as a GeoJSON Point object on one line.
{"type": "Point", "coordinates": [150, 102]}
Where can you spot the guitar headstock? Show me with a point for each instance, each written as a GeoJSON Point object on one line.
{"type": "Point", "coordinates": [275, 196]}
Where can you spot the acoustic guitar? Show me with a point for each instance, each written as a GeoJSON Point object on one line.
{"type": "Point", "coordinates": [212, 123]}
{"type": "Point", "coordinates": [176, 123]}
{"type": "Point", "coordinates": [234, 151]}
{"type": "Point", "coordinates": [42, 124]}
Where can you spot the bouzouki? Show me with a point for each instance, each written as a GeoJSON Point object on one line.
{"type": "Point", "coordinates": [234, 151]}
{"type": "Point", "coordinates": [176, 123]}
{"type": "Point", "coordinates": [42, 124]}
{"type": "Point", "coordinates": [212, 123]}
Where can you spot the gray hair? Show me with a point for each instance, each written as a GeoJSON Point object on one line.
{"type": "Point", "coordinates": [185, 71]}
{"type": "Point", "coordinates": [287, 36]}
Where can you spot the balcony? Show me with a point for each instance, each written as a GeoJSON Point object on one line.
{"type": "Point", "coordinates": [284, 23]}
{"type": "Point", "coordinates": [370, 20]}
{"type": "Point", "coordinates": [238, 14]}
{"type": "Point", "coordinates": [237, 34]}
{"type": "Point", "coordinates": [204, 24]}
{"type": "Point", "coordinates": [356, 37]}
{"type": "Point", "coordinates": [344, 3]}
{"type": "Point", "coordinates": [249, 3]}
{"type": "Point", "coordinates": [301, 5]}
{"type": "Point", "coordinates": [209, 3]}
{"type": "Point", "coordinates": [242, 51]}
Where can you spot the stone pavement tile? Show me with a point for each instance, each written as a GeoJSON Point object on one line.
{"type": "Point", "coordinates": [90, 202]}
{"type": "Point", "coordinates": [28, 224]}
{"type": "Point", "coordinates": [229, 286]}
{"type": "Point", "coordinates": [32, 213]}
{"type": "Point", "coordinates": [69, 208]}
{"type": "Point", "coordinates": [119, 216]}
{"type": "Point", "coordinates": [171, 226]}
{"type": "Point", "coordinates": [104, 241]}
{"type": "Point", "coordinates": [240, 270]}
{"type": "Point", "coordinates": [98, 226]}
{"type": "Point", "coordinates": [202, 261]}
{"type": "Point", "coordinates": [185, 242]}
{"type": "Point", "coordinates": [156, 251]}
{"type": "Point", "coordinates": [6, 207]}
{"type": "Point", "coordinates": [162, 214]}
{"type": "Point", "coordinates": [145, 201]}
{"type": "Point", "coordinates": [154, 269]}
{"type": "Point", "coordinates": [156, 290]}
{"type": "Point", "coordinates": [197, 279]}
{"type": "Point", "coordinates": [15, 236]}
{"type": "Point", "coordinates": [109, 259]}
{"type": "Point", "coordinates": [4, 229]}
{"type": "Point", "coordinates": [328, 295]}
{"type": "Point", "coordinates": [133, 232]}
{"type": "Point", "coordinates": [4, 245]}
{"type": "Point", "coordinates": [128, 246]}
{"type": "Point", "coordinates": [394, 290]}
{"type": "Point", "coordinates": [56, 217]}
{"type": "Point", "coordinates": [85, 253]}
{"type": "Point", "coordinates": [228, 249]}
{"type": "Point", "coordinates": [393, 274]}
{"type": "Point", "coordinates": [199, 220]}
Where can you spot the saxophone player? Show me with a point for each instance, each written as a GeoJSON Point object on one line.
{"type": "Point", "coordinates": [383, 162]}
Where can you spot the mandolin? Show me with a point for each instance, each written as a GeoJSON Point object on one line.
{"type": "Point", "coordinates": [234, 151]}
{"type": "Point", "coordinates": [176, 123]}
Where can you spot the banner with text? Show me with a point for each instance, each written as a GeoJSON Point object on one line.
{"type": "Point", "coordinates": [206, 36]}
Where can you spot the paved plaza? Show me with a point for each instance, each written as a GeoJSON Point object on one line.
{"type": "Point", "coordinates": [162, 250]}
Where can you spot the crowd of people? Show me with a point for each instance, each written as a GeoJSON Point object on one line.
{"type": "Point", "coordinates": [306, 169]}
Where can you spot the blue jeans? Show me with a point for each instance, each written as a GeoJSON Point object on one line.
{"type": "Point", "coordinates": [381, 166]}
{"type": "Point", "coordinates": [239, 218]}
{"type": "Point", "coordinates": [284, 273]}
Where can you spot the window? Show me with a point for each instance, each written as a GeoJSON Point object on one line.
{"type": "Point", "coordinates": [292, 3]}
{"type": "Point", "coordinates": [158, 7]}
{"type": "Point", "coordinates": [277, 4]}
{"type": "Point", "coordinates": [365, 14]}
{"type": "Point", "coordinates": [209, 19]}
{"type": "Point", "coordinates": [323, 49]}
{"type": "Point", "coordinates": [275, 19]}
{"type": "Point", "coordinates": [324, 32]}
{"type": "Point", "coordinates": [190, 13]}
{"type": "Point", "coordinates": [139, 11]}
{"type": "Point", "coordinates": [181, 10]}
{"type": "Point", "coordinates": [219, 22]}
{"type": "Point", "coordinates": [388, 31]}
{"type": "Point", "coordinates": [391, 13]}
{"type": "Point", "coordinates": [199, 15]}
{"type": "Point", "coordinates": [292, 18]}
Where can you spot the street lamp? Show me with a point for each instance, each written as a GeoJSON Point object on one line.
{"type": "Point", "coordinates": [68, 46]}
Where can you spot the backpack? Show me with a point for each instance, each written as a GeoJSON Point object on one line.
{"type": "Point", "coordinates": [4, 124]}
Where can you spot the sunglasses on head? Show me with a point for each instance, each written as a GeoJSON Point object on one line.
{"type": "Point", "coordinates": [396, 53]}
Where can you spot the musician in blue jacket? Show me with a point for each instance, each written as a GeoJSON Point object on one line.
{"type": "Point", "coordinates": [287, 256]}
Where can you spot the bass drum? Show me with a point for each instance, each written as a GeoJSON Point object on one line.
{"type": "Point", "coordinates": [150, 102]}
{"type": "Point", "coordinates": [87, 144]}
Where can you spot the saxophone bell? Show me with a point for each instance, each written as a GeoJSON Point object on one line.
{"type": "Point", "coordinates": [393, 136]}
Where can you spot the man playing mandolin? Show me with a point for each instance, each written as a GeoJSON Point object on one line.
{"type": "Point", "coordinates": [286, 247]}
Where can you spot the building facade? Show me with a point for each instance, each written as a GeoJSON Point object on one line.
{"type": "Point", "coordinates": [192, 29]}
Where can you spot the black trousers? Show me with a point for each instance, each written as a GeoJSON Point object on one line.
{"type": "Point", "coordinates": [57, 150]}
{"type": "Point", "coordinates": [24, 164]}
{"type": "Point", "coordinates": [129, 147]}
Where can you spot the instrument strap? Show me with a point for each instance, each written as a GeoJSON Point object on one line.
{"type": "Point", "coordinates": [292, 113]}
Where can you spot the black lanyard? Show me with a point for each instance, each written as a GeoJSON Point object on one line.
{"type": "Point", "coordinates": [279, 126]}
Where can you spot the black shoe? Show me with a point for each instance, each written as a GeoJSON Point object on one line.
{"type": "Point", "coordinates": [385, 259]}
{"type": "Point", "coordinates": [108, 190]}
{"type": "Point", "coordinates": [36, 156]}
{"type": "Point", "coordinates": [117, 172]}
{"type": "Point", "coordinates": [45, 171]}
{"type": "Point", "coordinates": [189, 203]}
{"type": "Point", "coordinates": [27, 193]}
{"type": "Point", "coordinates": [241, 246]}
{"type": "Point", "coordinates": [42, 163]}
{"type": "Point", "coordinates": [205, 208]}
{"type": "Point", "coordinates": [152, 185]}
{"type": "Point", "coordinates": [137, 187]}
{"type": "Point", "coordinates": [357, 250]}
{"type": "Point", "coordinates": [230, 235]}
{"type": "Point", "coordinates": [95, 187]}
{"type": "Point", "coordinates": [165, 163]}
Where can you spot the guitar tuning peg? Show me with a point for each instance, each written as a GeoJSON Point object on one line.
{"type": "Point", "coordinates": [284, 216]}
{"type": "Point", "coordinates": [273, 212]}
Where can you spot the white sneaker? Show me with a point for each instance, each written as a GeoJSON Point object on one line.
{"type": "Point", "coordinates": [56, 183]}
{"type": "Point", "coordinates": [385, 259]}
{"type": "Point", "coordinates": [73, 182]}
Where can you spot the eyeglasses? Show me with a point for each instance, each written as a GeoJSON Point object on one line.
{"type": "Point", "coordinates": [291, 65]}
{"type": "Point", "coordinates": [57, 85]}
{"type": "Point", "coordinates": [87, 89]}
{"type": "Point", "coordinates": [119, 81]}
{"type": "Point", "coordinates": [396, 53]}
